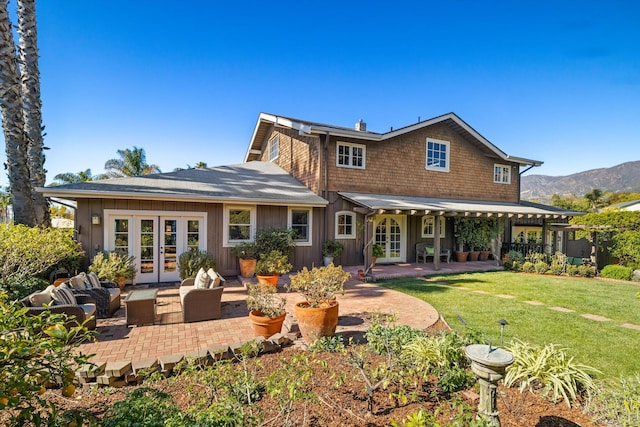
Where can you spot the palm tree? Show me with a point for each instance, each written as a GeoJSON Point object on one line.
{"type": "Point", "coordinates": [13, 124]}
{"type": "Point", "coordinates": [131, 163]}
{"type": "Point", "coordinates": [201, 165]}
{"type": "Point", "coordinates": [72, 178]}
{"type": "Point", "coordinates": [594, 197]}
{"type": "Point", "coordinates": [31, 105]}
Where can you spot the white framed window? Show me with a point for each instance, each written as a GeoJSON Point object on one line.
{"type": "Point", "coordinates": [300, 220]}
{"type": "Point", "coordinates": [274, 148]}
{"type": "Point", "coordinates": [501, 174]}
{"type": "Point", "coordinates": [345, 225]}
{"type": "Point", "coordinates": [437, 155]}
{"type": "Point", "coordinates": [351, 155]}
{"type": "Point", "coordinates": [239, 224]}
{"type": "Point", "coordinates": [427, 226]}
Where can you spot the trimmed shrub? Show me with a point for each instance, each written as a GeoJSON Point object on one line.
{"type": "Point", "coordinates": [528, 267]}
{"type": "Point", "coordinates": [191, 261]}
{"type": "Point", "coordinates": [615, 271]}
{"type": "Point", "coordinates": [541, 267]}
{"type": "Point", "coordinates": [516, 266]}
{"type": "Point", "coordinates": [571, 270]}
{"type": "Point", "coordinates": [586, 271]}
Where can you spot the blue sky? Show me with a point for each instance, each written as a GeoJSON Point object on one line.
{"type": "Point", "coordinates": [557, 81]}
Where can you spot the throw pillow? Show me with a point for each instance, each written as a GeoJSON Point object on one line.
{"type": "Point", "coordinates": [41, 298]}
{"type": "Point", "coordinates": [430, 251]}
{"type": "Point", "coordinates": [215, 278]}
{"type": "Point", "coordinates": [63, 296]}
{"type": "Point", "coordinates": [77, 282]}
{"type": "Point", "coordinates": [93, 279]}
{"type": "Point", "coordinates": [202, 280]}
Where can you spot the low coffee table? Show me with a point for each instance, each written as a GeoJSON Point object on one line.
{"type": "Point", "coordinates": [141, 306]}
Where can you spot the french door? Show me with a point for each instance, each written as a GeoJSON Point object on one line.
{"type": "Point", "coordinates": [390, 233]}
{"type": "Point", "coordinates": [156, 240]}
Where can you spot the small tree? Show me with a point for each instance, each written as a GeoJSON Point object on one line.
{"type": "Point", "coordinates": [37, 352]}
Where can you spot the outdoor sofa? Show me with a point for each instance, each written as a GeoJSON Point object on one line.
{"type": "Point", "coordinates": [80, 308]}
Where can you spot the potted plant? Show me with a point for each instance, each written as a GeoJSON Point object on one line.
{"type": "Point", "coordinates": [191, 261]}
{"type": "Point", "coordinates": [114, 267]}
{"type": "Point", "coordinates": [376, 252]}
{"type": "Point", "coordinates": [318, 314]}
{"type": "Point", "coordinates": [271, 265]}
{"type": "Point", "coordinates": [330, 250]}
{"type": "Point", "coordinates": [266, 309]}
{"type": "Point", "coordinates": [463, 235]}
{"type": "Point", "coordinates": [247, 258]}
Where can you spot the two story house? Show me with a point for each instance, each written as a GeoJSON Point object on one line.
{"type": "Point", "coordinates": [359, 187]}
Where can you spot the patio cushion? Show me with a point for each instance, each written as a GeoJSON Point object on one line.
{"type": "Point", "coordinates": [184, 290]}
{"type": "Point", "coordinates": [202, 279]}
{"type": "Point", "coordinates": [215, 278]}
{"type": "Point", "coordinates": [39, 299]}
{"type": "Point", "coordinates": [89, 309]}
{"type": "Point", "coordinates": [429, 250]}
{"type": "Point", "coordinates": [93, 279]}
{"type": "Point", "coordinates": [62, 295]}
{"type": "Point", "coordinates": [77, 282]}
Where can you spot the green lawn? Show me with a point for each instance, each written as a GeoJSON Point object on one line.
{"type": "Point", "coordinates": [606, 346]}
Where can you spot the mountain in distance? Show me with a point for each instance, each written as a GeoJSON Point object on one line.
{"type": "Point", "coordinates": [624, 177]}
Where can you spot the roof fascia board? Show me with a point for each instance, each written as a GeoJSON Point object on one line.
{"type": "Point", "coordinates": [74, 194]}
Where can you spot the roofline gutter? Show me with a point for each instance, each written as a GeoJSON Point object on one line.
{"type": "Point", "coordinates": [87, 194]}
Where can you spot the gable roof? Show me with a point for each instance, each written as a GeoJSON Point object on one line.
{"type": "Point", "coordinates": [253, 182]}
{"type": "Point", "coordinates": [267, 121]}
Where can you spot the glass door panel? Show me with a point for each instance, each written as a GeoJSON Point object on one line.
{"type": "Point", "coordinates": [171, 241]}
{"type": "Point", "coordinates": [146, 252]}
{"type": "Point", "coordinates": [390, 234]}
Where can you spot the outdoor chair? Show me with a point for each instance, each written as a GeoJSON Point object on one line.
{"type": "Point", "coordinates": [201, 297]}
{"type": "Point", "coordinates": [78, 310]}
{"type": "Point", "coordinates": [425, 251]}
{"type": "Point", "coordinates": [105, 294]}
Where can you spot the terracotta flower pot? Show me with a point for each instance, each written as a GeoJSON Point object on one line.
{"type": "Point", "coordinates": [484, 255]}
{"type": "Point", "coordinates": [268, 279]}
{"type": "Point", "coordinates": [461, 256]}
{"type": "Point", "coordinates": [247, 267]}
{"type": "Point", "coordinates": [266, 326]}
{"type": "Point", "coordinates": [473, 255]}
{"type": "Point", "coordinates": [316, 322]}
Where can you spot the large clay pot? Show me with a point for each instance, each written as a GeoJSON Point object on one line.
{"type": "Point", "coordinates": [461, 256]}
{"type": "Point", "coordinates": [268, 279]}
{"type": "Point", "coordinates": [474, 255]}
{"type": "Point", "coordinates": [484, 255]}
{"type": "Point", "coordinates": [247, 267]}
{"type": "Point", "coordinates": [266, 326]}
{"type": "Point", "coordinates": [316, 322]}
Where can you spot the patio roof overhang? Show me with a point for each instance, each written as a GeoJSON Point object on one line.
{"type": "Point", "coordinates": [411, 205]}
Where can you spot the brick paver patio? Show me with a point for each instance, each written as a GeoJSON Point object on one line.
{"type": "Point", "coordinates": [117, 342]}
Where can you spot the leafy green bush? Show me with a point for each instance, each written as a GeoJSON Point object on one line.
{"type": "Point", "coordinates": [273, 263]}
{"type": "Point", "coordinates": [274, 239]}
{"type": "Point", "coordinates": [144, 407]}
{"type": "Point", "coordinates": [36, 351]}
{"type": "Point", "coordinates": [384, 337]}
{"type": "Point", "coordinates": [586, 271]}
{"type": "Point", "coordinates": [551, 368]}
{"type": "Point", "coordinates": [191, 261]}
{"type": "Point", "coordinates": [528, 267]}
{"type": "Point", "coordinates": [516, 265]}
{"type": "Point", "coordinates": [571, 270]}
{"type": "Point", "coordinates": [615, 271]}
{"type": "Point", "coordinates": [516, 256]}
{"type": "Point", "coordinates": [18, 288]}
{"type": "Point", "coordinates": [30, 251]}
{"type": "Point", "coordinates": [618, 403]}
{"type": "Point", "coordinates": [110, 266]}
{"type": "Point", "coordinates": [332, 344]}
{"type": "Point", "coordinates": [541, 267]}
{"type": "Point", "coordinates": [558, 263]}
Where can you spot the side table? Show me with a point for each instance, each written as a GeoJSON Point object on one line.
{"type": "Point", "coordinates": [141, 306]}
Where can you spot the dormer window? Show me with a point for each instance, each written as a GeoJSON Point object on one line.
{"type": "Point", "coordinates": [437, 155]}
{"type": "Point", "coordinates": [502, 174]}
{"type": "Point", "coordinates": [274, 148]}
{"type": "Point", "coordinates": [350, 155]}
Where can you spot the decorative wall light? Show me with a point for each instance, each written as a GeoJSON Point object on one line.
{"type": "Point", "coordinates": [95, 219]}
